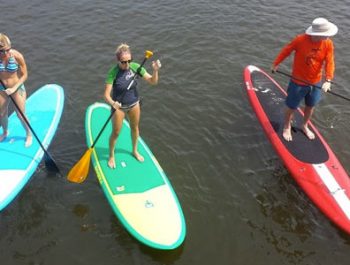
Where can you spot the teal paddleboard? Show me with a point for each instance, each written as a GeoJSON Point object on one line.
{"type": "Point", "coordinates": [139, 193]}
{"type": "Point", "coordinates": [17, 162]}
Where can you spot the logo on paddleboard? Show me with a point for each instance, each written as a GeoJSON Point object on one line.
{"type": "Point", "coordinates": [121, 188]}
{"type": "Point", "coordinates": [149, 204]}
{"type": "Point", "coordinates": [263, 89]}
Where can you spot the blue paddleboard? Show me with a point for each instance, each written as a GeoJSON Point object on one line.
{"type": "Point", "coordinates": [18, 163]}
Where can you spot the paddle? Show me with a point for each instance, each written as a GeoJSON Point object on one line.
{"type": "Point", "coordinates": [49, 162]}
{"type": "Point", "coordinates": [330, 92]}
{"type": "Point", "coordinates": [80, 170]}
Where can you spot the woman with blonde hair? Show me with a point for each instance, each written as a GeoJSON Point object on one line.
{"type": "Point", "coordinates": [13, 74]}
{"type": "Point", "coordinates": [125, 99]}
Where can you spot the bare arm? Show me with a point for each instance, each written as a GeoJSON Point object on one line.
{"type": "Point", "coordinates": [108, 98]}
{"type": "Point", "coordinates": [153, 79]}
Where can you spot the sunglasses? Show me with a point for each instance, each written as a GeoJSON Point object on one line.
{"type": "Point", "coordinates": [125, 62]}
{"type": "Point", "coordinates": [4, 51]}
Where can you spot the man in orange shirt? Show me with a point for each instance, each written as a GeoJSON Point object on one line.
{"type": "Point", "coordinates": [314, 51]}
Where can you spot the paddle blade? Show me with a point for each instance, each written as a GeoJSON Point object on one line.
{"type": "Point", "coordinates": [148, 54]}
{"type": "Point", "coordinates": [80, 170]}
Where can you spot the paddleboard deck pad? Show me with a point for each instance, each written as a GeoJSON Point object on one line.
{"type": "Point", "coordinates": [18, 163]}
{"type": "Point", "coordinates": [139, 193]}
{"type": "Point", "coordinates": [311, 163]}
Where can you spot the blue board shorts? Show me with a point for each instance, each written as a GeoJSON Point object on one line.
{"type": "Point", "coordinates": [296, 93]}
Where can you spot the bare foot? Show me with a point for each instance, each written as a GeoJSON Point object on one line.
{"type": "Point", "coordinates": [111, 162]}
{"type": "Point", "coordinates": [287, 134]}
{"type": "Point", "coordinates": [28, 141]}
{"type": "Point", "coordinates": [309, 134]}
{"type": "Point", "coordinates": [139, 157]}
{"type": "Point", "coordinates": [3, 136]}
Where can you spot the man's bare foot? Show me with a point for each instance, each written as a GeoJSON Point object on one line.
{"type": "Point", "coordinates": [139, 157]}
{"type": "Point", "coordinates": [28, 141]}
{"type": "Point", "coordinates": [111, 162]}
{"type": "Point", "coordinates": [309, 134]}
{"type": "Point", "coordinates": [287, 134]}
{"type": "Point", "coordinates": [3, 136]}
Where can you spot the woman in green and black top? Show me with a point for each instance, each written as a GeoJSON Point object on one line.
{"type": "Point", "coordinates": [124, 100]}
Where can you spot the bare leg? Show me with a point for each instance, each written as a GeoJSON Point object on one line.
{"type": "Point", "coordinates": [117, 123]}
{"type": "Point", "coordinates": [4, 103]}
{"type": "Point", "coordinates": [134, 115]}
{"type": "Point", "coordinates": [20, 98]}
{"type": "Point", "coordinates": [307, 116]}
{"type": "Point", "coordinates": [287, 128]}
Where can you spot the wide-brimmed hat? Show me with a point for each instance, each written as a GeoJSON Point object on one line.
{"type": "Point", "coordinates": [322, 27]}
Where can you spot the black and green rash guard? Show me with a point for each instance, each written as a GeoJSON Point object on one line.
{"type": "Point", "coordinates": [121, 80]}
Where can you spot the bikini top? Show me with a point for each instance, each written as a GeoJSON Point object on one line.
{"type": "Point", "coordinates": [11, 67]}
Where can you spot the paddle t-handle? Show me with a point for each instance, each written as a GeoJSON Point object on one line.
{"type": "Point", "coordinates": [148, 54]}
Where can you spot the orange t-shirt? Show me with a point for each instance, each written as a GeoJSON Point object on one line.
{"type": "Point", "coordinates": [309, 58]}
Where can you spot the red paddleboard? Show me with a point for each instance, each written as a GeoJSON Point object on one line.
{"type": "Point", "coordinates": [311, 163]}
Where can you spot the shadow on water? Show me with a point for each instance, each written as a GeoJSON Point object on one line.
{"type": "Point", "coordinates": [125, 240]}
{"type": "Point", "coordinates": [24, 217]}
{"type": "Point", "coordinates": [122, 238]}
{"type": "Point", "coordinates": [283, 203]}
{"type": "Point", "coordinates": [164, 256]}
{"type": "Point", "coordinates": [343, 235]}
{"type": "Point", "coordinates": [294, 218]}
{"type": "Point", "coordinates": [82, 211]}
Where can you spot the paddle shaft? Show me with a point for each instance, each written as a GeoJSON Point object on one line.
{"type": "Point", "coordinates": [47, 155]}
{"type": "Point", "coordinates": [123, 94]}
{"type": "Point", "coordinates": [307, 83]}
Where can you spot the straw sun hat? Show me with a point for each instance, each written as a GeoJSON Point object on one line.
{"type": "Point", "coordinates": [322, 27]}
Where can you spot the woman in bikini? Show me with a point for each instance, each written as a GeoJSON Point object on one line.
{"type": "Point", "coordinates": [126, 102]}
{"type": "Point", "coordinates": [13, 74]}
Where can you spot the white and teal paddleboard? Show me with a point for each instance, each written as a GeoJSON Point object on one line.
{"type": "Point", "coordinates": [139, 193]}
{"type": "Point", "coordinates": [17, 162]}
